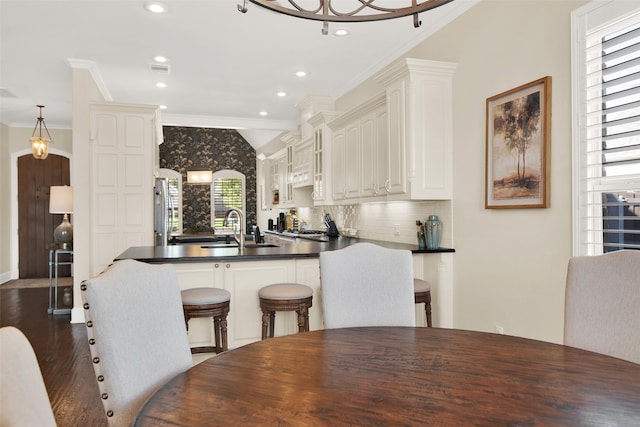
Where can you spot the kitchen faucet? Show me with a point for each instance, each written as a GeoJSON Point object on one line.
{"type": "Point", "coordinates": [240, 216]}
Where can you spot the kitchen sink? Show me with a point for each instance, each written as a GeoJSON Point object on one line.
{"type": "Point", "coordinates": [235, 245]}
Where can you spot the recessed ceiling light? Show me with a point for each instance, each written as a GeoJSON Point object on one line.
{"type": "Point", "coordinates": [301, 74]}
{"type": "Point", "coordinates": [163, 107]}
{"type": "Point", "coordinates": [155, 7]}
{"type": "Point", "coordinates": [263, 113]}
{"type": "Point", "coordinates": [161, 85]}
{"type": "Point", "coordinates": [341, 32]}
{"type": "Point", "coordinates": [281, 94]}
{"type": "Point", "coordinates": [160, 58]}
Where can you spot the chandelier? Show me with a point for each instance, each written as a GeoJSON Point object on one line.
{"type": "Point", "coordinates": [39, 144]}
{"type": "Point", "coordinates": [356, 10]}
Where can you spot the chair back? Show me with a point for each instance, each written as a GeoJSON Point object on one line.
{"type": "Point", "coordinates": [367, 285]}
{"type": "Point", "coordinates": [602, 304]}
{"type": "Point", "coordinates": [137, 334]}
{"type": "Point", "coordinates": [23, 396]}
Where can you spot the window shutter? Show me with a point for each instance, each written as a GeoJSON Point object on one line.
{"type": "Point", "coordinates": [609, 148]}
{"type": "Point", "coordinates": [227, 193]}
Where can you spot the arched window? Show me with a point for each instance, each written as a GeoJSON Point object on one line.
{"type": "Point", "coordinates": [227, 191]}
{"type": "Point", "coordinates": [174, 204]}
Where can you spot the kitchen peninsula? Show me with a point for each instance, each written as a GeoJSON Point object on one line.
{"type": "Point", "coordinates": [221, 266]}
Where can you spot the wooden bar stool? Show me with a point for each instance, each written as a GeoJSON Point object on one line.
{"type": "Point", "coordinates": [208, 302]}
{"type": "Point", "coordinates": [422, 293]}
{"type": "Point", "coordinates": [284, 297]}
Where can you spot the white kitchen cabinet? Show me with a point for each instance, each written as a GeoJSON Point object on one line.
{"type": "Point", "coordinates": [243, 280]}
{"type": "Point", "coordinates": [322, 145]}
{"type": "Point", "coordinates": [352, 188]}
{"type": "Point", "coordinates": [360, 152]}
{"type": "Point", "coordinates": [274, 169]}
{"type": "Point", "coordinates": [278, 176]}
{"type": "Point", "coordinates": [374, 146]}
{"type": "Point", "coordinates": [287, 200]}
{"type": "Point", "coordinates": [419, 107]}
{"type": "Point", "coordinates": [345, 164]}
{"type": "Point", "coordinates": [302, 164]}
{"type": "Point", "coordinates": [308, 273]}
{"type": "Point", "coordinates": [122, 147]}
{"type": "Point", "coordinates": [338, 165]}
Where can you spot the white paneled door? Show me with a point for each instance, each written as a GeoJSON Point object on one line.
{"type": "Point", "coordinates": [122, 156]}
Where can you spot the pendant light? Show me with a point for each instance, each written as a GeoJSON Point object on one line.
{"type": "Point", "coordinates": [39, 144]}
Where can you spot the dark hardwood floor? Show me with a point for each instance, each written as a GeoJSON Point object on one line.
{"type": "Point", "coordinates": [63, 353]}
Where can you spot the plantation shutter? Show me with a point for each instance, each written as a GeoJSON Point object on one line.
{"type": "Point", "coordinates": [227, 193]}
{"type": "Point", "coordinates": [609, 161]}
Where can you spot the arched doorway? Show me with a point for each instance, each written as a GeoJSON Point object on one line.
{"type": "Point", "coordinates": [35, 223]}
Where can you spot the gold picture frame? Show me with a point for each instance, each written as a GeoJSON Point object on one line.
{"type": "Point", "coordinates": [518, 147]}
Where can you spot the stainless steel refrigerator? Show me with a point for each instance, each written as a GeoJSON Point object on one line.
{"type": "Point", "coordinates": [161, 211]}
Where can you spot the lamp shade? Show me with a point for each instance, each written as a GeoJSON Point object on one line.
{"type": "Point", "coordinates": [61, 199]}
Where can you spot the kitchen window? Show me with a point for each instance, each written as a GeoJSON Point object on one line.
{"type": "Point", "coordinates": [227, 191]}
{"type": "Point", "coordinates": [606, 127]}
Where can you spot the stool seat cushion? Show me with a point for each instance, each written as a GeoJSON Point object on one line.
{"type": "Point", "coordinates": [420, 285]}
{"type": "Point", "coordinates": [201, 296]}
{"type": "Point", "coordinates": [285, 291]}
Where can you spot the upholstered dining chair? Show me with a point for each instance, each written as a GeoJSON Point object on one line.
{"type": "Point", "coordinates": [602, 304]}
{"type": "Point", "coordinates": [367, 285]}
{"type": "Point", "coordinates": [23, 396]}
{"type": "Point", "coordinates": [137, 335]}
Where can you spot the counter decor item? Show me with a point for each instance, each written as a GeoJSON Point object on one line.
{"type": "Point", "coordinates": [422, 242]}
{"type": "Point", "coordinates": [432, 228]}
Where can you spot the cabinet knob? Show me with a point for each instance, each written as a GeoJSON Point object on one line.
{"type": "Point", "coordinates": [217, 265]}
{"type": "Point", "coordinates": [228, 266]}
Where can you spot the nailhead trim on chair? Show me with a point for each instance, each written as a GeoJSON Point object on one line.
{"type": "Point", "coordinates": [96, 360]}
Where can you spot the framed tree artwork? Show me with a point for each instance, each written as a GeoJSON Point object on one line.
{"type": "Point", "coordinates": [517, 151]}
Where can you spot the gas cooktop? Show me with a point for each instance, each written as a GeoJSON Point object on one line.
{"type": "Point", "coordinates": [309, 232]}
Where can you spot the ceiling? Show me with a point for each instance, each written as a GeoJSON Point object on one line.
{"type": "Point", "coordinates": [225, 67]}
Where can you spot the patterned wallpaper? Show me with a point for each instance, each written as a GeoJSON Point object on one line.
{"type": "Point", "coordinates": [187, 148]}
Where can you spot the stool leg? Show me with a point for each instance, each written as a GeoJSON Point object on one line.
{"type": "Point", "coordinates": [186, 320]}
{"type": "Point", "coordinates": [265, 324]}
{"type": "Point", "coordinates": [427, 309]}
{"type": "Point", "coordinates": [223, 332]}
{"type": "Point", "coordinates": [303, 319]}
{"type": "Point", "coordinates": [272, 324]}
{"type": "Point", "coordinates": [217, 333]}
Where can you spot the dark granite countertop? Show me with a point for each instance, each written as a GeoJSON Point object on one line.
{"type": "Point", "coordinates": [195, 252]}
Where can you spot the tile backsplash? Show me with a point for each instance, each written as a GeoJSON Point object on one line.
{"type": "Point", "coordinates": [390, 221]}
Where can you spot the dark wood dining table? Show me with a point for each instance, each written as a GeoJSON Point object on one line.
{"type": "Point", "coordinates": [393, 376]}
